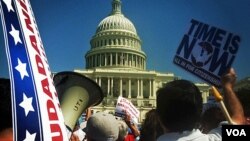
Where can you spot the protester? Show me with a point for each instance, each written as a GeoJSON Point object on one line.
{"type": "Point", "coordinates": [74, 137]}
{"type": "Point", "coordinates": [102, 127]}
{"type": "Point", "coordinates": [134, 132]}
{"type": "Point", "coordinates": [78, 134]}
{"type": "Point", "coordinates": [152, 127]}
{"type": "Point", "coordinates": [6, 133]}
{"type": "Point", "coordinates": [179, 105]}
{"type": "Point", "coordinates": [231, 100]}
{"type": "Point", "coordinates": [211, 118]}
{"type": "Point", "coordinates": [123, 130]}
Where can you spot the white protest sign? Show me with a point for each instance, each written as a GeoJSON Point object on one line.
{"type": "Point", "coordinates": [123, 105]}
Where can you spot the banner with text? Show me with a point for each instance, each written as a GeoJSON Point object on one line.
{"type": "Point", "coordinates": [35, 106]}
{"type": "Point", "coordinates": [207, 51]}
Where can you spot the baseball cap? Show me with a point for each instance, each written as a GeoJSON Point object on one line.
{"type": "Point", "coordinates": [102, 127]}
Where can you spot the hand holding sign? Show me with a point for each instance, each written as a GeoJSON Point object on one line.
{"type": "Point", "coordinates": [219, 99]}
{"type": "Point", "coordinates": [230, 98]}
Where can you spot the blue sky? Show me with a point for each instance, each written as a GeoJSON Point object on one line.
{"type": "Point", "coordinates": [66, 27]}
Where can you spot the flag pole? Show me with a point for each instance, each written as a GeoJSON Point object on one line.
{"type": "Point", "coordinates": [219, 99]}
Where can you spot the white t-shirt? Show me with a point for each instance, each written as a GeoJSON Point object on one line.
{"type": "Point", "coordinates": [194, 135]}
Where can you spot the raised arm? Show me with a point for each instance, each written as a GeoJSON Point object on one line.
{"type": "Point", "coordinates": [231, 100]}
{"type": "Point", "coordinates": [132, 126]}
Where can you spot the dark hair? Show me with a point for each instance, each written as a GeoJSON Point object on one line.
{"type": "Point", "coordinates": [152, 127]}
{"type": "Point", "coordinates": [5, 104]}
{"type": "Point", "coordinates": [211, 119]}
{"type": "Point", "coordinates": [179, 105]}
{"type": "Point", "coordinates": [244, 96]}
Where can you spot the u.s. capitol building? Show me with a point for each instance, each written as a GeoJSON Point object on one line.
{"type": "Point", "coordinates": [117, 63]}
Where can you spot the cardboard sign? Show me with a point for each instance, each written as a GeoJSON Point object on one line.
{"type": "Point", "coordinates": [123, 105]}
{"type": "Point", "coordinates": [207, 51]}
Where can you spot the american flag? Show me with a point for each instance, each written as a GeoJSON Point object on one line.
{"type": "Point", "coordinates": [35, 106]}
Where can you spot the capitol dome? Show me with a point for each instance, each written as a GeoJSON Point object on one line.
{"type": "Point", "coordinates": [114, 22]}
{"type": "Point", "coordinates": [116, 44]}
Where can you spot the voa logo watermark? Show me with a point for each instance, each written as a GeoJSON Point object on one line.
{"type": "Point", "coordinates": [236, 132]}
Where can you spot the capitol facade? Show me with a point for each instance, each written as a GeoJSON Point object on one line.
{"type": "Point", "coordinates": [117, 63]}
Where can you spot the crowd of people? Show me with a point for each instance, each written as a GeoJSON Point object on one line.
{"type": "Point", "coordinates": [178, 115]}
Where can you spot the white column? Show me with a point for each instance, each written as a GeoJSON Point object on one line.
{"type": "Point", "coordinates": [120, 86]}
{"type": "Point", "coordinates": [153, 88]}
{"type": "Point", "coordinates": [138, 88]}
{"type": "Point", "coordinates": [111, 59]}
{"type": "Point", "coordinates": [129, 88]}
{"type": "Point", "coordinates": [108, 90]}
{"type": "Point", "coordinates": [100, 59]}
{"type": "Point", "coordinates": [145, 64]}
{"type": "Point", "coordinates": [112, 86]}
{"type": "Point", "coordinates": [141, 88]}
{"type": "Point", "coordinates": [122, 59]}
{"type": "Point", "coordinates": [150, 89]}
{"type": "Point", "coordinates": [100, 81]}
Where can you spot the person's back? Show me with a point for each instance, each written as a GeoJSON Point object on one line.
{"type": "Point", "coordinates": [151, 127]}
{"type": "Point", "coordinates": [179, 105]}
{"type": "Point", "coordinates": [211, 118]}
